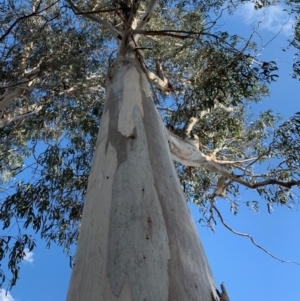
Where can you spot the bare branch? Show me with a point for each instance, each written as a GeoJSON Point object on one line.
{"type": "Point", "coordinates": [288, 184]}
{"type": "Point", "coordinates": [104, 23]}
{"type": "Point", "coordinates": [227, 162]}
{"type": "Point", "coordinates": [250, 237]}
{"type": "Point", "coordinates": [162, 85]}
{"type": "Point", "coordinates": [190, 125]}
{"type": "Point", "coordinates": [19, 89]}
{"type": "Point", "coordinates": [160, 71]}
{"type": "Point", "coordinates": [166, 109]}
{"type": "Point", "coordinates": [217, 105]}
{"type": "Point", "coordinates": [132, 21]}
{"type": "Point", "coordinates": [224, 108]}
{"type": "Point", "coordinates": [188, 154]}
{"type": "Point", "coordinates": [160, 33]}
{"type": "Point", "coordinates": [166, 31]}
{"type": "Point", "coordinates": [146, 17]}
{"type": "Point", "coordinates": [18, 113]}
{"type": "Point", "coordinates": [220, 190]}
{"type": "Point", "coordinates": [193, 120]}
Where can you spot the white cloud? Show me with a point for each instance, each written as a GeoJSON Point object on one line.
{"type": "Point", "coordinates": [5, 296]}
{"type": "Point", "coordinates": [273, 18]}
{"type": "Point", "coordinates": [28, 256]}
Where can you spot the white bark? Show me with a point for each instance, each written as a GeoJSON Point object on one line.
{"type": "Point", "coordinates": [18, 113]}
{"type": "Point", "coordinates": [187, 153]}
{"type": "Point", "coordinates": [147, 15]}
{"type": "Point", "coordinates": [18, 91]}
{"type": "Point", "coordinates": [162, 85]}
{"type": "Point", "coordinates": [137, 239]}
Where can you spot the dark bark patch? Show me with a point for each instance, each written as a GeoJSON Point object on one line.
{"type": "Point", "coordinates": [147, 18]}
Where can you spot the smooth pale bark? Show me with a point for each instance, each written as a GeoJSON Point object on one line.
{"type": "Point", "coordinates": [137, 239]}
{"type": "Point", "coordinates": [13, 93]}
{"type": "Point", "coordinates": [18, 113]}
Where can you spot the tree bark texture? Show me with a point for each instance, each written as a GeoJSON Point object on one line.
{"type": "Point", "coordinates": [137, 239]}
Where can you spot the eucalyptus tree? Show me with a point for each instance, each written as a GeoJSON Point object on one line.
{"type": "Point", "coordinates": [137, 240]}
{"type": "Point", "coordinates": [132, 244]}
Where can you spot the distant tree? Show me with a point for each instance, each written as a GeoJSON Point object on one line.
{"type": "Point", "coordinates": [137, 239]}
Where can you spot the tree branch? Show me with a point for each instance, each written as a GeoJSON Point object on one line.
{"type": "Point", "coordinates": [166, 32]}
{"type": "Point", "coordinates": [19, 88]}
{"type": "Point", "coordinates": [227, 162]}
{"type": "Point", "coordinates": [193, 120]}
{"type": "Point", "coordinates": [160, 33]}
{"type": "Point", "coordinates": [250, 237]}
{"type": "Point", "coordinates": [221, 187]}
{"type": "Point", "coordinates": [186, 153]}
{"type": "Point", "coordinates": [132, 22]}
{"type": "Point", "coordinates": [190, 125]}
{"type": "Point", "coordinates": [146, 17]}
{"type": "Point", "coordinates": [104, 23]}
{"type": "Point", "coordinates": [162, 85]}
{"type": "Point", "coordinates": [18, 113]}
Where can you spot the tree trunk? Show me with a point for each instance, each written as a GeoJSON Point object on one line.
{"type": "Point", "coordinates": [137, 239]}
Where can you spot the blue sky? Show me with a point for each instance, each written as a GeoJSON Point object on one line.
{"type": "Point", "coordinates": [249, 274]}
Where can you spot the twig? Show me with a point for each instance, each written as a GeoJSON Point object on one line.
{"type": "Point", "coordinates": [250, 237]}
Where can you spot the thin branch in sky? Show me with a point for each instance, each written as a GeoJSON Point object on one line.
{"type": "Point", "coordinates": [250, 237]}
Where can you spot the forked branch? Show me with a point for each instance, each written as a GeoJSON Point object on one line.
{"type": "Point", "coordinates": [188, 154]}
{"type": "Point", "coordinates": [193, 120]}
{"type": "Point", "coordinates": [145, 17]}
{"type": "Point", "coordinates": [90, 16]}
